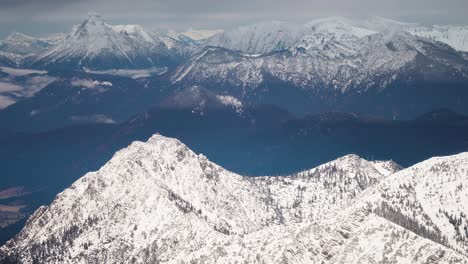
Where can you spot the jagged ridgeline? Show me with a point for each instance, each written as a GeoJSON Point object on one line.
{"type": "Point", "coordinates": [159, 202]}
{"type": "Point", "coordinates": [387, 68]}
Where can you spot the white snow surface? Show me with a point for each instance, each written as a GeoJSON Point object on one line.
{"type": "Point", "coordinates": [454, 36]}
{"type": "Point", "coordinates": [159, 202]}
{"type": "Point", "coordinates": [430, 192]}
{"type": "Point", "coordinates": [18, 47]}
{"type": "Point", "coordinates": [329, 38]}
{"type": "Point", "coordinates": [257, 38]}
{"type": "Point", "coordinates": [123, 43]}
{"type": "Point", "coordinates": [272, 36]}
{"type": "Point", "coordinates": [194, 34]}
{"type": "Point", "coordinates": [333, 53]}
{"type": "Point", "coordinates": [22, 44]}
{"type": "Point", "coordinates": [340, 60]}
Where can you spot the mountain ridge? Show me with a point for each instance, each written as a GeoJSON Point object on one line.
{"type": "Point", "coordinates": [207, 213]}
{"type": "Point", "coordinates": [95, 44]}
{"type": "Point", "coordinates": [331, 64]}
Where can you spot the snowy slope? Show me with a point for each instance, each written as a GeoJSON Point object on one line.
{"type": "Point", "coordinates": [431, 197]}
{"type": "Point", "coordinates": [200, 34]}
{"type": "Point", "coordinates": [160, 202]}
{"type": "Point", "coordinates": [258, 38]}
{"type": "Point", "coordinates": [167, 196]}
{"type": "Point", "coordinates": [95, 44]}
{"type": "Point", "coordinates": [311, 194]}
{"type": "Point", "coordinates": [21, 44]}
{"type": "Point", "coordinates": [272, 36]}
{"type": "Point", "coordinates": [9, 59]}
{"type": "Point", "coordinates": [192, 35]}
{"type": "Point", "coordinates": [346, 64]}
{"type": "Point", "coordinates": [331, 38]}
{"type": "Point", "coordinates": [16, 48]}
{"type": "Point", "coordinates": [454, 36]}
{"type": "Point", "coordinates": [332, 55]}
{"type": "Point", "coordinates": [334, 33]}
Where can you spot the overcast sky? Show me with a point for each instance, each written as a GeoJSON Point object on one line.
{"type": "Point", "coordinates": [42, 17]}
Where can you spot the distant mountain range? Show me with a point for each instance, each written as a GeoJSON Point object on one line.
{"type": "Point", "coordinates": [273, 36]}
{"type": "Point", "coordinates": [377, 66]}
{"type": "Point", "coordinates": [96, 40]}
{"type": "Point", "coordinates": [333, 65]}
{"type": "Point", "coordinates": [158, 201]}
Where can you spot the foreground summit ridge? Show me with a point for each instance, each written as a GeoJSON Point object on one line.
{"type": "Point", "coordinates": [158, 201]}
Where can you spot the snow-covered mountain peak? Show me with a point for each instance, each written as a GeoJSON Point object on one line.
{"type": "Point", "coordinates": [96, 44]}
{"type": "Point", "coordinates": [335, 33]}
{"type": "Point", "coordinates": [351, 166]}
{"type": "Point", "coordinates": [161, 146]}
{"type": "Point", "coordinates": [16, 36]}
{"type": "Point", "coordinates": [159, 202]}
{"type": "Point", "coordinates": [93, 25]}
{"type": "Point", "coordinates": [387, 167]}
{"type": "Point", "coordinates": [21, 44]}
{"type": "Point", "coordinates": [350, 159]}
{"type": "Point", "coordinates": [331, 37]}
{"type": "Point", "coordinates": [325, 57]}
{"type": "Point", "coordinates": [340, 26]}
{"type": "Point", "coordinates": [94, 20]}
{"type": "Point", "coordinates": [159, 189]}
{"type": "Point", "coordinates": [259, 38]}
{"type": "Point", "coordinates": [94, 16]}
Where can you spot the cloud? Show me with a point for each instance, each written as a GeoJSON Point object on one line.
{"type": "Point", "coordinates": [20, 72]}
{"type": "Point", "coordinates": [6, 101]}
{"type": "Point", "coordinates": [98, 118]}
{"type": "Point", "coordinates": [20, 3]}
{"type": "Point", "coordinates": [96, 86]}
{"type": "Point", "coordinates": [135, 74]}
{"type": "Point", "coordinates": [24, 87]}
{"type": "Point", "coordinates": [38, 5]}
{"type": "Point", "coordinates": [13, 89]}
{"type": "Point", "coordinates": [9, 87]}
{"type": "Point", "coordinates": [37, 83]}
{"type": "Point", "coordinates": [84, 83]}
